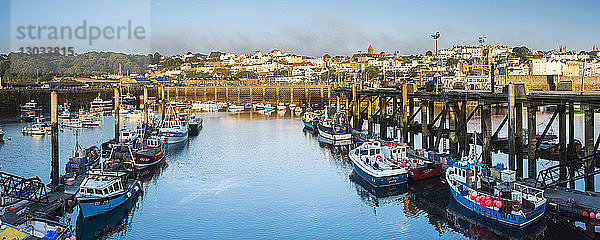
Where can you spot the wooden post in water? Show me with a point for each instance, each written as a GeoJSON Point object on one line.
{"type": "Point", "coordinates": [404, 112]}
{"type": "Point", "coordinates": [411, 111]}
{"type": "Point", "coordinates": [54, 128]}
{"type": "Point", "coordinates": [571, 147]}
{"type": "Point", "coordinates": [511, 127]}
{"type": "Point", "coordinates": [562, 141]}
{"type": "Point", "coordinates": [589, 145]}
{"type": "Point", "coordinates": [117, 114]}
{"type": "Point", "coordinates": [532, 141]}
{"type": "Point", "coordinates": [486, 131]}
{"type": "Point", "coordinates": [370, 115]}
{"type": "Point", "coordinates": [424, 129]}
{"type": "Point", "coordinates": [356, 109]}
{"type": "Point", "coordinates": [145, 105]}
{"type": "Point", "coordinates": [292, 95]}
{"type": "Point", "coordinates": [452, 136]}
{"type": "Point", "coordinates": [431, 111]}
{"type": "Point", "coordinates": [519, 138]}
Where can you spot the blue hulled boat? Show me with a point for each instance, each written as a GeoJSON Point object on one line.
{"type": "Point", "coordinates": [375, 164]}
{"type": "Point", "coordinates": [310, 120]}
{"type": "Point", "coordinates": [103, 191]}
{"type": "Point", "coordinates": [82, 159]}
{"type": "Point", "coordinates": [497, 195]}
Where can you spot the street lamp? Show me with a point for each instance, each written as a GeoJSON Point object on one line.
{"type": "Point", "coordinates": [435, 37]}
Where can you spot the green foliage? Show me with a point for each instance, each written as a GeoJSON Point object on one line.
{"type": "Point", "coordinates": [522, 52]}
{"type": "Point", "coordinates": [223, 72]}
{"type": "Point", "coordinates": [170, 64]}
{"type": "Point", "coordinates": [429, 53]}
{"type": "Point", "coordinates": [372, 71]}
{"type": "Point", "coordinates": [43, 67]}
{"type": "Point", "coordinates": [214, 55]}
{"type": "Point", "coordinates": [280, 72]}
{"type": "Point", "coordinates": [243, 74]}
{"type": "Point", "coordinates": [451, 62]}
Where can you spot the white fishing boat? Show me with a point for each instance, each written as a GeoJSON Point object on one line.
{"type": "Point", "coordinates": [72, 123]}
{"type": "Point", "coordinates": [376, 164]}
{"type": "Point", "coordinates": [101, 106]}
{"type": "Point", "coordinates": [90, 121]}
{"type": "Point", "coordinates": [236, 108]}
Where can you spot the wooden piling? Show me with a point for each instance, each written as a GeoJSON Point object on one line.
{"type": "Point", "coordinates": [117, 114]}
{"type": "Point", "coordinates": [512, 158]}
{"type": "Point", "coordinates": [486, 131]}
{"type": "Point", "coordinates": [571, 147]}
{"type": "Point", "coordinates": [519, 138]}
{"type": "Point", "coordinates": [531, 139]}
{"type": "Point", "coordinates": [54, 131]}
{"type": "Point", "coordinates": [424, 128]}
{"type": "Point", "coordinates": [589, 144]}
{"type": "Point", "coordinates": [562, 141]}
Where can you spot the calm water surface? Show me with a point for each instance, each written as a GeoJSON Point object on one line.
{"type": "Point", "coordinates": [250, 176]}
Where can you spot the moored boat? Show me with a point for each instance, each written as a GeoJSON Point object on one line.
{"type": "Point", "coordinates": [82, 159]}
{"type": "Point", "coordinates": [194, 124]}
{"type": "Point", "coordinates": [418, 167]}
{"type": "Point", "coordinates": [103, 191]}
{"type": "Point", "coordinates": [151, 152]}
{"type": "Point", "coordinates": [310, 120]}
{"type": "Point", "coordinates": [501, 199]}
{"type": "Point", "coordinates": [333, 131]}
{"type": "Point", "coordinates": [374, 163]}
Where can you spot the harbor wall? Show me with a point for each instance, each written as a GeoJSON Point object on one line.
{"type": "Point", "coordinates": [541, 82]}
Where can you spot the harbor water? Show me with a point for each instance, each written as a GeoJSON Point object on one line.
{"type": "Point", "coordinates": [251, 176]}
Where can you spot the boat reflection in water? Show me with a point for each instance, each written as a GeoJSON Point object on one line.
{"type": "Point", "coordinates": [106, 225]}
{"type": "Point", "coordinates": [428, 199]}
{"type": "Point", "coordinates": [376, 194]}
{"type": "Point", "coordinates": [473, 225]}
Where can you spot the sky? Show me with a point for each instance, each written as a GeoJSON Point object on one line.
{"type": "Point", "coordinates": [313, 27]}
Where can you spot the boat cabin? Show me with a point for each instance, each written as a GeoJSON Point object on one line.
{"type": "Point", "coordinates": [102, 184]}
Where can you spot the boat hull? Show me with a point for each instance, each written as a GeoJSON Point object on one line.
{"type": "Point", "coordinates": [505, 218]}
{"type": "Point", "coordinates": [381, 181]}
{"type": "Point", "coordinates": [95, 207]}
{"type": "Point", "coordinates": [194, 129]}
{"type": "Point", "coordinates": [174, 138]}
{"type": "Point", "coordinates": [335, 137]}
{"type": "Point", "coordinates": [144, 160]}
{"type": "Point", "coordinates": [425, 172]}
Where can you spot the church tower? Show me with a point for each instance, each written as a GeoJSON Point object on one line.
{"type": "Point", "coordinates": [370, 50]}
{"type": "Point", "coordinates": [594, 49]}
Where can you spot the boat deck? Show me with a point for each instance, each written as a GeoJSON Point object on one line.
{"type": "Point", "coordinates": [57, 200]}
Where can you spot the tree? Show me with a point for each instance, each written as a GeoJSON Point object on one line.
{"type": "Point", "coordinates": [245, 73]}
{"type": "Point", "coordinates": [327, 55]}
{"type": "Point", "coordinates": [429, 53]}
{"type": "Point", "coordinates": [280, 72]}
{"type": "Point", "coordinates": [372, 71]}
{"type": "Point", "coordinates": [522, 52]}
{"type": "Point", "coordinates": [451, 62]}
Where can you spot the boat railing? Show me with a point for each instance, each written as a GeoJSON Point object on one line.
{"type": "Point", "coordinates": [530, 193]}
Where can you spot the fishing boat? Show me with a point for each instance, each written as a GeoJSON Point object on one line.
{"type": "Point", "coordinates": [34, 129]}
{"type": "Point", "coordinates": [258, 106]}
{"type": "Point", "coordinates": [81, 159]}
{"type": "Point", "coordinates": [149, 153]}
{"type": "Point", "coordinates": [173, 131]}
{"type": "Point", "coordinates": [281, 107]}
{"type": "Point", "coordinates": [498, 197]}
{"type": "Point", "coordinates": [374, 163]}
{"type": "Point", "coordinates": [235, 108]}
{"type": "Point", "coordinates": [101, 106]}
{"type": "Point", "coordinates": [310, 120]}
{"type": "Point", "coordinates": [72, 123]}
{"type": "Point", "coordinates": [65, 114]}
{"type": "Point", "coordinates": [31, 106]}
{"type": "Point", "coordinates": [194, 124]}
{"type": "Point", "coordinates": [1, 134]}
{"type": "Point", "coordinates": [333, 131]}
{"type": "Point", "coordinates": [28, 116]}
{"type": "Point", "coordinates": [90, 121]}
{"type": "Point", "coordinates": [268, 108]}
{"type": "Point", "coordinates": [103, 191]}
{"type": "Point", "coordinates": [418, 167]}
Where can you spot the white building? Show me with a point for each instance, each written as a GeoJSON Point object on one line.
{"type": "Point", "coordinates": [546, 67]}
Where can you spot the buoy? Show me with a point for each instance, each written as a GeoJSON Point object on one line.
{"type": "Point", "coordinates": [585, 214]}
{"type": "Point", "coordinates": [473, 196]}
{"type": "Point", "coordinates": [592, 215]}
{"type": "Point", "coordinates": [11, 208]}
{"type": "Point", "coordinates": [488, 198]}
{"type": "Point", "coordinates": [482, 204]}
{"type": "Point", "coordinates": [499, 204]}
{"type": "Point", "coordinates": [488, 203]}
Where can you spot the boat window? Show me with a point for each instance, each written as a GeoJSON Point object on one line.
{"type": "Point", "coordinates": [90, 191]}
{"type": "Point", "coordinates": [111, 189]}
{"type": "Point", "coordinates": [377, 151]}
{"type": "Point", "coordinates": [105, 191]}
{"type": "Point", "coordinates": [98, 191]}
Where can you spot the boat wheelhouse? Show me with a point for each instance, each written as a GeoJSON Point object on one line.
{"type": "Point", "coordinates": [82, 159]}
{"type": "Point", "coordinates": [149, 153]}
{"type": "Point", "coordinates": [418, 167]}
{"type": "Point", "coordinates": [103, 191]}
{"type": "Point", "coordinates": [374, 163]}
{"type": "Point", "coordinates": [333, 131]}
{"type": "Point", "coordinates": [310, 120]}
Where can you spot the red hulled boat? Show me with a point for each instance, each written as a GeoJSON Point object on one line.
{"type": "Point", "coordinates": [150, 153]}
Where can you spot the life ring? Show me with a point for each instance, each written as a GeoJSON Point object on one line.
{"type": "Point", "coordinates": [379, 158]}
{"type": "Point", "coordinates": [516, 205]}
{"type": "Point", "coordinates": [401, 139]}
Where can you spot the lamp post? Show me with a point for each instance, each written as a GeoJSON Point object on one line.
{"type": "Point", "coordinates": [435, 37]}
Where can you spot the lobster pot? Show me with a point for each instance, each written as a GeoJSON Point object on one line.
{"type": "Point", "coordinates": [508, 176]}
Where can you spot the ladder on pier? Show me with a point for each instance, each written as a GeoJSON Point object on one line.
{"type": "Point", "coordinates": [574, 170]}
{"type": "Point", "coordinates": [14, 188]}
